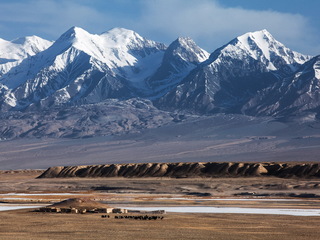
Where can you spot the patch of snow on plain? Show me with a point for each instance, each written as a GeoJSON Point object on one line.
{"type": "Point", "coordinates": [7, 207]}
{"type": "Point", "coordinates": [233, 199]}
{"type": "Point", "coordinates": [235, 210]}
{"type": "Point", "coordinates": [39, 194]}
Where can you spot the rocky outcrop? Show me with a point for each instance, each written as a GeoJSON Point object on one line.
{"type": "Point", "coordinates": [110, 117]}
{"type": "Point", "coordinates": [184, 170]}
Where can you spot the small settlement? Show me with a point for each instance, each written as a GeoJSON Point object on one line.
{"type": "Point", "coordinates": [80, 205]}
{"type": "Point", "coordinates": [82, 210]}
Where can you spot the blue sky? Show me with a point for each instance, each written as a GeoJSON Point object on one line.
{"type": "Point", "coordinates": [211, 23]}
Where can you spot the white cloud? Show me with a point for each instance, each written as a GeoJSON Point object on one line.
{"type": "Point", "coordinates": [49, 17]}
{"type": "Point", "coordinates": [212, 25]}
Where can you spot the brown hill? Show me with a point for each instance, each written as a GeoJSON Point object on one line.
{"type": "Point", "coordinates": [78, 203]}
{"type": "Point", "coordinates": [178, 170]}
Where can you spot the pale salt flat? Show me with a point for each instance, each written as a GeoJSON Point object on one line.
{"type": "Point", "coordinates": [6, 207]}
{"type": "Point", "coordinates": [235, 210]}
{"type": "Point", "coordinates": [12, 198]}
{"type": "Point", "coordinates": [232, 199]}
{"type": "Point", "coordinates": [39, 194]}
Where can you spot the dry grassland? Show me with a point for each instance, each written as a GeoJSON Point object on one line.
{"type": "Point", "coordinates": [23, 224]}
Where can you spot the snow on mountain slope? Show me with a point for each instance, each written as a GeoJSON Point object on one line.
{"type": "Point", "coordinates": [233, 74]}
{"type": "Point", "coordinates": [22, 47]}
{"type": "Point", "coordinates": [78, 64]}
{"type": "Point", "coordinates": [124, 51]}
{"type": "Point", "coordinates": [180, 58]}
{"type": "Point", "coordinates": [119, 48]}
{"type": "Point", "coordinates": [12, 52]}
{"type": "Point", "coordinates": [262, 46]}
{"type": "Point", "coordinates": [158, 72]}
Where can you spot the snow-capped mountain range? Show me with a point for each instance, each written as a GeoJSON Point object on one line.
{"type": "Point", "coordinates": [13, 52]}
{"type": "Point", "coordinates": [234, 73]}
{"type": "Point", "coordinates": [253, 74]}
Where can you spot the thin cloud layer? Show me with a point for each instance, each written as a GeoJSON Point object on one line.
{"type": "Point", "coordinates": [206, 21]}
{"type": "Point", "coordinates": [212, 25]}
{"type": "Point", "coordinates": [47, 17]}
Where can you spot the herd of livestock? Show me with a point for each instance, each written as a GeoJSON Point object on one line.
{"type": "Point", "coordinates": [135, 217]}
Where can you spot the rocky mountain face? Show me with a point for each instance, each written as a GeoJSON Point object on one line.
{"type": "Point", "coordinates": [182, 56]}
{"type": "Point", "coordinates": [253, 74]}
{"type": "Point", "coordinates": [294, 95]}
{"type": "Point", "coordinates": [111, 117]}
{"type": "Point", "coordinates": [233, 74]}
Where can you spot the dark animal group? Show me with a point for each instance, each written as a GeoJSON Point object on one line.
{"type": "Point", "coordinates": [140, 217]}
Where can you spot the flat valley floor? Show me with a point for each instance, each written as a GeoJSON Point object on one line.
{"type": "Point", "coordinates": [22, 187]}
{"type": "Point", "coordinates": [22, 224]}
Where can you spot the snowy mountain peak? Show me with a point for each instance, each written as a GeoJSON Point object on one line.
{"type": "Point", "coordinates": [258, 42]}
{"type": "Point", "coordinates": [185, 41]}
{"type": "Point", "coordinates": [114, 36]}
{"type": "Point", "coordinates": [30, 40]}
{"type": "Point", "coordinates": [263, 47]}
{"type": "Point", "coordinates": [258, 35]}
{"type": "Point", "coordinates": [109, 47]}
{"type": "Point", "coordinates": [21, 48]}
{"type": "Point", "coordinates": [121, 38]}
{"type": "Point", "coordinates": [188, 50]}
{"type": "Point", "coordinates": [13, 52]}
{"type": "Point", "coordinates": [73, 32]}
{"type": "Point", "coordinates": [121, 35]}
{"type": "Point", "coordinates": [73, 35]}
{"type": "Point", "coordinates": [181, 57]}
